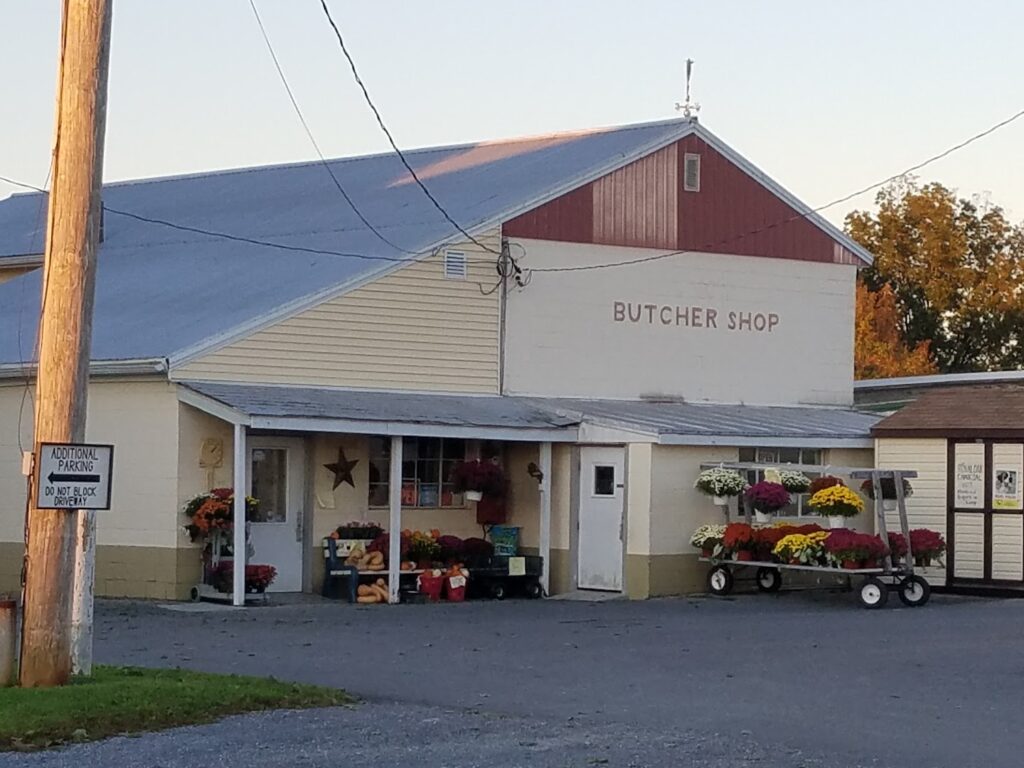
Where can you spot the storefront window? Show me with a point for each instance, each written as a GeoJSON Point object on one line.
{"type": "Point", "coordinates": [426, 466]}
{"type": "Point", "coordinates": [781, 456]}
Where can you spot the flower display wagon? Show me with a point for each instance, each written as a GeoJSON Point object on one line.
{"type": "Point", "coordinates": [880, 569]}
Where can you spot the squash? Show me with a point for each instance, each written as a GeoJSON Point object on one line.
{"type": "Point", "coordinates": [368, 599]}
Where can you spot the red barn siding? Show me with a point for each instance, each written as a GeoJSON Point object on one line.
{"type": "Point", "coordinates": [734, 213]}
{"type": "Point", "coordinates": [569, 218]}
{"type": "Point", "coordinates": [643, 204]}
{"type": "Point", "coordinates": [637, 204]}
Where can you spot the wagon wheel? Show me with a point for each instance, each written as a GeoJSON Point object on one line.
{"type": "Point", "coordinates": [914, 591]}
{"type": "Point", "coordinates": [534, 590]}
{"type": "Point", "coordinates": [768, 579]}
{"type": "Point", "coordinates": [874, 593]}
{"type": "Point", "coordinates": [498, 590]}
{"type": "Point", "coordinates": [720, 580]}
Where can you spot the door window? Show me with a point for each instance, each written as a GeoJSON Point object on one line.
{"type": "Point", "coordinates": [270, 484]}
{"type": "Point", "coordinates": [604, 480]}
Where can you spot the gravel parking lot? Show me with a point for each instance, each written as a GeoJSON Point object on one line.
{"type": "Point", "coordinates": [796, 679]}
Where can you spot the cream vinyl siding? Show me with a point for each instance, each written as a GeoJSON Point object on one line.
{"type": "Point", "coordinates": [969, 561]}
{"type": "Point", "coordinates": [1007, 554]}
{"type": "Point", "coordinates": [412, 329]}
{"type": "Point", "coordinates": [140, 418]}
{"type": "Point", "coordinates": [926, 508]}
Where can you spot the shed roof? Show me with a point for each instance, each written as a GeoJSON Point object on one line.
{"type": "Point", "coordinates": [963, 411]}
{"type": "Point", "coordinates": [163, 291]}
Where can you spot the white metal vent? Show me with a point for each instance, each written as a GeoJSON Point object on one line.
{"type": "Point", "coordinates": [455, 265]}
{"type": "Point", "coordinates": [691, 172]}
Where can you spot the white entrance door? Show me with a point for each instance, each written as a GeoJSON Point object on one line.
{"type": "Point", "coordinates": [602, 488]}
{"type": "Point", "coordinates": [276, 478]}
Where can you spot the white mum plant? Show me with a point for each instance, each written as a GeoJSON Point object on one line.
{"type": "Point", "coordinates": [708, 537]}
{"type": "Point", "coordinates": [794, 482]}
{"type": "Point", "coordinates": [720, 482]}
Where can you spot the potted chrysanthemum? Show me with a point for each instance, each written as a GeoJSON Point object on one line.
{"type": "Point", "coordinates": [794, 482]}
{"type": "Point", "coordinates": [837, 503]}
{"type": "Point", "coordinates": [708, 539]}
{"type": "Point", "coordinates": [720, 484]}
{"type": "Point", "coordinates": [888, 491]}
{"type": "Point", "coordinates": [767, 498]}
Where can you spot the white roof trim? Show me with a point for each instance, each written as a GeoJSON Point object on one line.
{"type": "Point", "coordinates": [21, 260]}
{"type": "Point", "coordinates": [772, 186]}
{"type": "Point", "coordinates": [767, 440]}
{"type": "Point", "coordinates": [213, 407]}
{"type": "Point", "coordinates": [96, 368]}
{"type": "Point", "coordinates": [414, 429]}
{"type": "Point", "coordinates": [938, 379]}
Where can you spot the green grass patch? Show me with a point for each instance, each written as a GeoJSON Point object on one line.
{"type": "Point", "coordinates": [124, 700]}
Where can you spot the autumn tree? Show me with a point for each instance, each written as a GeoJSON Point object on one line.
{"type": "Point", "coordinates": [956, 269]}
{"type": "Point", "coordinates": [880, 351]}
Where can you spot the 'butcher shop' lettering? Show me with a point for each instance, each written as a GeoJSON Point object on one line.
{"type": "Point", "coordinates": [694, 317]}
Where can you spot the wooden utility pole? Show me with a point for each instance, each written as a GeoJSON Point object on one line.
{"type": "Point", "coordinates": [65, 329]}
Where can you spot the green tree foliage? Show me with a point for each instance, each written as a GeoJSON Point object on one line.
{"type": "Point", "coordinates": [957, 270]}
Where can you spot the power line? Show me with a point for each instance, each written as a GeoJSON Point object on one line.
{"type": "Point", "coordinates": [579, 268]}
{"type": "Point", "coordinates": [812, 211]}
{"type": "Point", "coordinates": [238, 238]}
{"type": "Point", "coordinates": [391, 139]}
{"type": "Point", "coordinates": [312, 138]}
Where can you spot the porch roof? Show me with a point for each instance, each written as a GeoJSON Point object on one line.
{"type": "Point", "coordinates": [675, 422]}
{"type": "Point", "coordinates": [313, 409]}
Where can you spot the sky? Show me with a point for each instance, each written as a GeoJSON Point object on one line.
{"type": "Point", "coordinates": [824, 97]}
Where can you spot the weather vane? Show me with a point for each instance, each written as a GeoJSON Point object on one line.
{"type": "Point", "coordinates": [688, 108]}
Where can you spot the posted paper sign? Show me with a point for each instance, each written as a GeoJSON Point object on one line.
{"type": "Point", "coordinates": [73, 476]}
{"type": "Point", "coordinates": [1006, 490]}
{"type": "Point", "coordinates": [517, 566]}
{"type": "Point", "coordinates": [969, 484]}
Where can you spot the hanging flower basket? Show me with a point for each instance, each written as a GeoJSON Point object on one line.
{"type": "Point", "coordinates": [477, 478]}
{"type": "Point", "coordinates": [720, 483]}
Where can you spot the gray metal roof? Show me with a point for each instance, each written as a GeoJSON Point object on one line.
{"type": "Point", "coordinates": [162, 292]}
{"type": "Point", "coordinates": [697, 423]}
{"type": "Point", "coordinates": [394, 407]}
{"type": "Point", "coordinates": [728, 421]}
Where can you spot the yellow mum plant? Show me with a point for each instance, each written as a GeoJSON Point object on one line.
{"type": "Point", "coordinates": [837, 501]}
{"type": "Point", "coordinates": [808, 549]}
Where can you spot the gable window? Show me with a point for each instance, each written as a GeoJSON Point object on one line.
{"type": "Point", "coordinates": [691, 172]}
{"type": "Point", "coordinates": [456, 266]}
{"type": "Point", "coordinates": [426, 466]}
{"type": "Point", "coordinates": [780, 457]}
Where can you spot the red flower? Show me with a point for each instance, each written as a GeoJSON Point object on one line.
{"type": "Point", "coordinates": [924, 542]}
{"type": "Point", "coordinates": [767, 496]}
{"type": "Point", "coordinates": [738, 536]}
{"type": "Point", "coordinates": [825, 481]}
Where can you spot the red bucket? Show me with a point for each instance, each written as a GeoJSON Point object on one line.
{"type": "Point", "coordinates": [455, 589]}
{"type": "Point", "coordinates": [431, 586]}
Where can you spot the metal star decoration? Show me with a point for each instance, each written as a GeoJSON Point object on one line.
{"type": "Point", "coordinates": [342, 470]}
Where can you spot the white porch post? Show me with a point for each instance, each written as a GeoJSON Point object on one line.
{"type": "Point", "coordinates": [395, 520]}
{"type": "Point", "coordinates": [241, 486]}
{"type": "Point", "coordinates": [545, 515]}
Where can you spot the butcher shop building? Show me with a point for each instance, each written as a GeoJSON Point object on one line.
{"type": "Point", "coordinates": [619, 307]}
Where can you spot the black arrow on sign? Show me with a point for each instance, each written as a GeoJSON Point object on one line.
{"type": "Point", "coordinates": [55, 478]}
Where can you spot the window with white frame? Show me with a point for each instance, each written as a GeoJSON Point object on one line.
{"type": "Point", "coordinates": [426, 468]}
{"type": "Point", "coordinates": [780, 457]}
